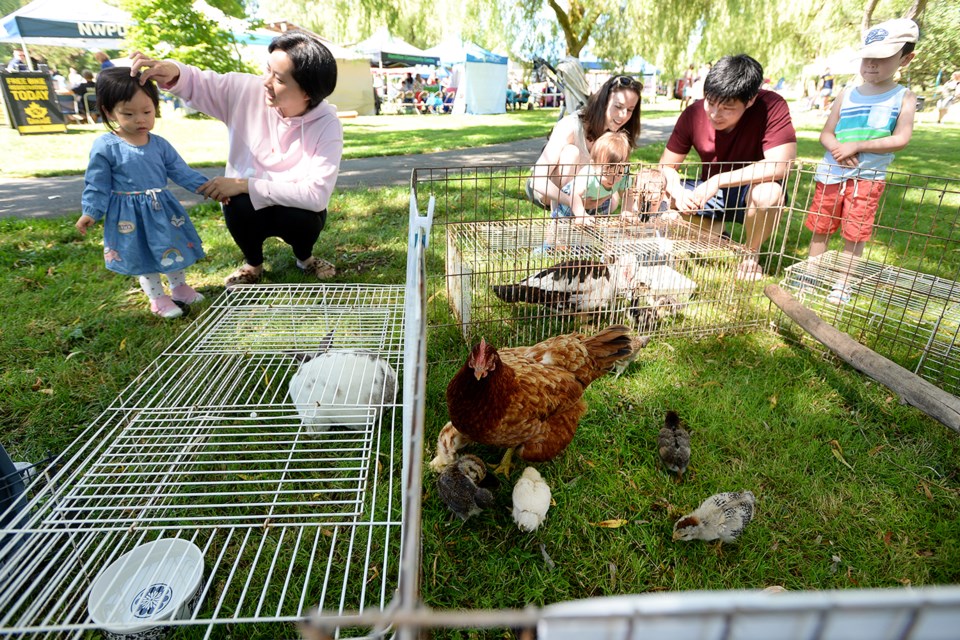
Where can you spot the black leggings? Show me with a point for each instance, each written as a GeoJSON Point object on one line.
{"type": "Point", "coordinates": [299, 228]}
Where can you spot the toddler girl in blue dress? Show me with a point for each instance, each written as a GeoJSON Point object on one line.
{"type": "Point", "coordinates": [146, 231]}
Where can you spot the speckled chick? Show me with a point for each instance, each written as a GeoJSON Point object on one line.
{"type": "Point", "coordinates": [458, 487]}
{"type": "Point", "coordinates": [531, 500]}
{"type": "Point", "coordinates": [723, 516]}
{"type": "Point", "coordinates": [673, 444]}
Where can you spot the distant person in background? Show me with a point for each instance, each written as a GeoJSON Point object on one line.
{"type": "Point", "coordinates": [949, 94]}
{"type": "Point", "coordinates": [103, 59]}
{"type": "Point", "coordinates": [18, 62]}
{"type": "Point", "coordinates": [406, 87]}
{"type": "Point", "coordinates": [686, 91]}
{"type": "Point", "coordinates": [826, 88]}
{"type": "Point", "coordinates": [434, 102]}
{"type": "Point", "coordinates": [696, 92]}
{"type": "Point", "coordinates": [59, 82]}
{"type": "Point", "coordinates": [73, 77]}
{"type": "Point", "coordinates": [82, 89]}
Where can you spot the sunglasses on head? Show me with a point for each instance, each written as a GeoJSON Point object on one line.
{"type": "Point", "coordinates": [626, 81]}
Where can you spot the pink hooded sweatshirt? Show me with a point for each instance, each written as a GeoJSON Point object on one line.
{"type": "Point", "coordinates": [290, 161]}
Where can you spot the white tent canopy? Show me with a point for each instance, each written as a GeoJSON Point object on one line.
{"type": "Point", "coordinates": [86, 24]}
{"type": "Point", "coordinates": [481, 77]}
{"type": "Point", "coordinates": [841, 63]}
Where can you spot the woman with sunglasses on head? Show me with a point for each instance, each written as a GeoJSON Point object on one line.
{"type": "Point", "coordinates": [614, 107]}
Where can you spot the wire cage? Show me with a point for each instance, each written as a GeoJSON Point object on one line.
{"type": "Point", "coordinates": [486, 234]}
{"type": "Point", "coordinates": [216, 447]}
{"type": "Point", "coordinates": [670, 277]}
{"type": "Point", "coordinates": [657, 273]}
{"type": "Point", "coordinates": [901, 297]}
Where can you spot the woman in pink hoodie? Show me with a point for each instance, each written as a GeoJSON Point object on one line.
{"type": "Point", "coordinates": [285, 146]}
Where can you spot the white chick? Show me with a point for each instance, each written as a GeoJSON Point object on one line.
{"type": "Point", "coordinates": [335, 389]}
{"type": "Point", "coordinates": [531, 500]}
{"type": "Point", "coordinates": [722, 516]}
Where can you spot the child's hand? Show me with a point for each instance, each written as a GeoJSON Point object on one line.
{"type": "Point", "coordinates": [577, 206]}
{"type": "Point", "coordinates": [222, 189]}
{"type": "Point", "coordinates": [84, 223]}
{"type": "Point", "coordinates": [845, 154]}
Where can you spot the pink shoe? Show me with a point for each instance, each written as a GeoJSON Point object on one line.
{"type": "Point", "coordinates": [165, 307]}
{"type": "Point", "coordinates": [186, 294]}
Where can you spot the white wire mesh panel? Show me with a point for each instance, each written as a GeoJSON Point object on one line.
{"type": "Point", "coordinates": [912, 313]}
{"type": "Point", "coordinates": [208, 445]}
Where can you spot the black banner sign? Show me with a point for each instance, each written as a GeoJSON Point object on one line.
{"type": "Point", "coordinates": [32, 103]}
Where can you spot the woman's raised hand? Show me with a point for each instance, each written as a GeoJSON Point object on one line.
{"type": "Point", "coordinates": [163, 72]}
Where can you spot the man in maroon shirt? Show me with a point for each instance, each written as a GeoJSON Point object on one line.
{"type": "Point", "coordinates": [746, 143]}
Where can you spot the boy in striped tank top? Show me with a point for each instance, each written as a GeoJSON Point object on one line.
{"type": "Point", "coordinates": [866, 125]}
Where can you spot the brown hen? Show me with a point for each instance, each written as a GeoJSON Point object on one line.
{"type": "Point", "coordinates": [527, 398]}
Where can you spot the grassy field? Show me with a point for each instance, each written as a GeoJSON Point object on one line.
{"type": "Point", "coordinates": [854, 489]}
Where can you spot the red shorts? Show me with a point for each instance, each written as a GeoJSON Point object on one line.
{"type": "Point", "coordinates": [851, 204]}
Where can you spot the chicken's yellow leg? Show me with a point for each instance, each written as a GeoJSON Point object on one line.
{"type": "Point", "coordinates": [504, 467]}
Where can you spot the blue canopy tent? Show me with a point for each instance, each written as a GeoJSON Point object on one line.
{"type": "Point", "coordinates": [86, 24]}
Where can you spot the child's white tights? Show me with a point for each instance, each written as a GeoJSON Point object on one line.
{"type": "Point", "coordinates": [152, 285]}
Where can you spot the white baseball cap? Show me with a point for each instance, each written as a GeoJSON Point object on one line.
{"type": "Point", "coordinates": [887, 38]}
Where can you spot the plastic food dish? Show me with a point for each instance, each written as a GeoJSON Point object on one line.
{"type": "Point", "coordinates": [159, 580]}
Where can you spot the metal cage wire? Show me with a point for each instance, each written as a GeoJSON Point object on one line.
{"type": "Point", "coordinates": [206, 446]}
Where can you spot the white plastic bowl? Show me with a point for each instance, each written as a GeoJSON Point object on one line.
{"type": "Point", "coordinates": [154, 581]}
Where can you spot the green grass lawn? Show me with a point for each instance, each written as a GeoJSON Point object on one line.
{"type": "Point", "coordinates": [854, 489]}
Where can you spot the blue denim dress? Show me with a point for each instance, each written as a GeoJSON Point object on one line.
{"type": "Point", "coordinates": [145, 229]}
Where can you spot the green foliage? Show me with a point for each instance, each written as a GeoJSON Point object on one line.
{"type": "Point", "coordinates": [783, 35]}
{"type": "Point", "coordinates": [175, 29]}
{"type": "Point", "coordinates": [939, 44]}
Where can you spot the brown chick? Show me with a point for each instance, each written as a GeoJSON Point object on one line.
{"type": "Point", "coordinates": [722, 516]}
{"type": "Point", "coordinates": [673, 443]}
{"type": "Point", "coordinates": [459, 488]}
{"type": "Point", "coordinates": [527, 398]}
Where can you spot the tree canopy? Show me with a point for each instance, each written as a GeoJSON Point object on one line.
{"type": "Point", "coordinates": [783, 34]}
{"type": "Point", "coordinates": [177, 29]}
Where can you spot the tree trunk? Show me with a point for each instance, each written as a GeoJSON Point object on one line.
{"type": "Point", "coordinates": [868, 15]}
{"type": "Point", "coordinates": [570, 24]}
{"type": "Point", "coordinates": [915, 12]}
